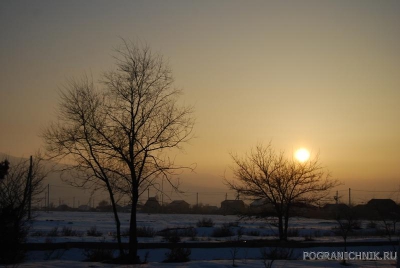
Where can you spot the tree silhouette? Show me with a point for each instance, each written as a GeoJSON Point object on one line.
{"type": "Point", "coordinates": [266, 174]}
{"type": "Point", "coordinates": [118, 135]}
{"type": "Point", "coordinates": [21, 183]}
{"type": "Point", "coordinates": [4, 167]}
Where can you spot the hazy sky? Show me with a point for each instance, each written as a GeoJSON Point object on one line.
{"type": "Point", "coordinates": [324, 75]}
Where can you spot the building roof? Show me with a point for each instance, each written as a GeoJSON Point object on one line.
{"type": "Point", "coordinates": [381, 202]}
{"type": "Point", "coordinates": [178, 202]}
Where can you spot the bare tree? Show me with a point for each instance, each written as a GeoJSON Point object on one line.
{"type": "Point", "coordinates": [21, 181]}
{"type": "Point", "coordinates": [266, 174]}
{"type": "Point", "coordinates": [118, 135]}
{"type": "Point", "coordinates": [348, 221]}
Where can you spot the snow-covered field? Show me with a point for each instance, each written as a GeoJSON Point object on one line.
{"type": "Point", "coordinates": [319, 231]}
{"type": "Point", "coordinates": [82, 221]}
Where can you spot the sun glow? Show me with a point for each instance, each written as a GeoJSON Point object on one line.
{"type": "Point", "coordinates": [302, 155]}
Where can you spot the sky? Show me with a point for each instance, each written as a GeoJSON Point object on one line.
{"type": "Point", "coordinates": [323, 75]}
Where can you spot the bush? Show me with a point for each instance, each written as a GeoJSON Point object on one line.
{"type": "Point", "coordinates": [67, 231]}
{"type": "Point", "coordinates": [188, 232]}
{"type": "Point", "coordinates": [53, 232]}
{"type": "Point", "coordinates": [171, 236]}
{"type": "Point", "coordinates": [223, 231]}
{"type": "Point", "coordinates": [145, 231]}
{"type": "Point", "coordinates": [205, 222]}
{"type": "Point", "coordinates": [178, 255]}
{"type": "Point", "coordinates": [93, 232]}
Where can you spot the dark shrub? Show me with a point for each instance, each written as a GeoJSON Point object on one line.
{"type": "Point", "coordinates": [171, 236]}
{"type": "Point", "coordinates": [53, 232]}
{"type": "Point", "coordinates": [93, 232]}
{"type": "Point", "coordinates": [178, 255]}
{"type": "Point", "coordinates": [223, 231]}
{"type": "Point", "coordinates": [67, 231]}
{"type": "Point", "coordinates": [205, 222]}
{"type": "Point", "coordinates": [188, 232]}
{"type": "Point", "coordinates": [145, 231]}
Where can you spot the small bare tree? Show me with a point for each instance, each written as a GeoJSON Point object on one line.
{"type": "Point", "coordinates": [266, 174]}
{"type": "Point", "coordinates": [348, 221]}
{"type": "Point", "coordinates": [21, 181]}
{"type": "Point", "coordinates": [118, 136]}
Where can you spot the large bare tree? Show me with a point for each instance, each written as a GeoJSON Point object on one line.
{"type": "Point", "coordinates": [119, 134]}
{"type": "Point", "coordinates": [281, 181]}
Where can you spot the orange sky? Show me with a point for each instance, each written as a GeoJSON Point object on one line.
{"type": "Point", "coordinates": [317, 74]}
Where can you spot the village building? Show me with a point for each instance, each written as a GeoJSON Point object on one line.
{"type": "Point", "coordinates": [178, 206]}
{"type": "Point", "coordinates": [152, 205]}
{"type": "Point", "coordinates": [232, 207]}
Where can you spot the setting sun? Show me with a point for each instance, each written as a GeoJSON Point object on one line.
{"type": "Point", "coordinates": [302, 155]}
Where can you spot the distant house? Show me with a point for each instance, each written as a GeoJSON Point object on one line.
{"type": "Point", "coordinates": [210, 209]}
{"type": "Point", "coordinates": [386, 204]}
{"type": "Point", "coordinates": [178, 206]}
{"type": "Point", "coordinates": [334, 211]}
{"type": "Point", "coordinates": [364, 212]}
{"type": "Point", "coordinates": [303, 209]}
{"type": "Point", "coordinates": [261, 205]}
{"type": "Point", "coordinates": [232, 206]}
{"type": "Point", "coordinates": [151, 205]}
{"type": "Point", "coordinates": [336, 207]}
{"type": "Point", "coordinates": [383, 208]}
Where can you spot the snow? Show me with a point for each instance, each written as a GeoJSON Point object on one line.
{"type": "Point", "coordinates": [200, 257]}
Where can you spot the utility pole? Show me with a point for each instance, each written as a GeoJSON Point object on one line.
{"type": "Point", "coordinates": [336, 197]}
{"type": "Point", "coordinates": [29, 186]}
{"type": "Point", "coordinates": [48, 197]}
{"type": "Point", "coordinates": [349, 197]}
{"type": "Point", "coordinates": [162, 191]}
{"type": "Point", "coordinates": [197, 200]}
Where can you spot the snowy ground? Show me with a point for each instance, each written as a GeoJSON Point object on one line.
{"type": "Point", "coordinates": [320, 230]}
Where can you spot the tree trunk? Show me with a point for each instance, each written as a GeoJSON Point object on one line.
{"type": "Point", "coordinates": [133, 242]}
{"type": "Point", "coordinates": [286, 222]}
{"type": "Point", "coordinates": [285, 228]}
{"type": "Point", "coordinates": [280, 227]}
{"type": "Point", "coordinates": [117, 222]}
